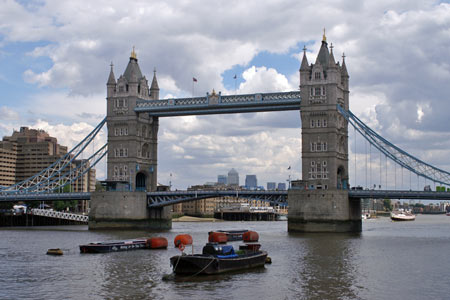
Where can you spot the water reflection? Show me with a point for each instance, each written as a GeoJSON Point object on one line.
{"type": "Point", "coordinates": [328, 267]}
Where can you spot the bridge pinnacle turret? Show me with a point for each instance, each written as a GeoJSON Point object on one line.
{"type": "Point", "coordinates": [331, 61]}
{"type": "Point", "coordinates": [111, 78]}
{"type": "Point", "coordinates": [324, 38]}
{"type": "Point", "coordinates": [344, 68]}
{"type": "Point", "coordinates": [304, 66]}
{"type": "Point", "coordinates": [154, 89]}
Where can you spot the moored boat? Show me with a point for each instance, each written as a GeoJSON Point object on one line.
{"type": "Point", "coordinates": [402, 215]}
{"type": "Point", "coordinates": [115, 246]}
{"type": "Point", "coordinates": [216, 259]}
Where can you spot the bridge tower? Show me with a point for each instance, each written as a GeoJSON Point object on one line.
{"type": "Point", "coordinates": [132, 156]}
{"type": "Point", "coordinates": [320, 202]}
{"type": "Point", "coordinates": [132, 137]}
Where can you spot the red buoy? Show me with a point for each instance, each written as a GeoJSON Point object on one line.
{"type": "Point", "coordinates": [157, 243]}
{"type": "Point", "coordinates": [184, 239]}
{"type": "Point", "coordinates": [217, 237]}
{"type": "Point", "coordinates": [250, 236]}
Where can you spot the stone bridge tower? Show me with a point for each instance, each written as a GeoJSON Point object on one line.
{"type": "Point", "coordinates": [319, 202]}
{"type": "Point", "coordinates": [132, 137]}
{"type": "Point", "coordinates": [324, 85]}
{"type": "Point", "coordinates": [132, 157]}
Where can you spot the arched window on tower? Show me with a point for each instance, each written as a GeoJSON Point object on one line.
{"type": "Point", "coordinates": [144, 131]}
{"type": "Point", "coordinates": [146, 150]}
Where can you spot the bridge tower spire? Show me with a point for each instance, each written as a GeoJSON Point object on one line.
{"type": "Point", "coordinates": [324, 184]}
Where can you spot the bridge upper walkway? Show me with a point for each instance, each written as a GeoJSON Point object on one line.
{"type": "Point", "coordinates": [218, 104]}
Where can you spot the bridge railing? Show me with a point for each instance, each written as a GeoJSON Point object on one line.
{"type": "Point", "coordinates": [60, 215]}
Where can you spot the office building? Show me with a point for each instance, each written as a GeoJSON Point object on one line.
{"type": "Point", "coordinates": [233, 177]}
{"type": "Point", "coordinates": [222, 179]}
{"type": "Point", "coordinates": [251, 182]}
{"type": "Point", "coordinates": [281, 186]}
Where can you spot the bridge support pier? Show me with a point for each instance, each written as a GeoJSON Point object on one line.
{"type": "Point", "coordinates": [323, 211]}
{"type": "Point", "coordinates": [126, 210]}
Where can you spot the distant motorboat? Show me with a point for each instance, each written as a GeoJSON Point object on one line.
{"type": "Point", "coordinates": [365, 216]}
{"type": "Point", "coordinates": [401, 215]}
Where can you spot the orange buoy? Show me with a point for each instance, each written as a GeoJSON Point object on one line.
{"type": "Point", "coordinates": [217, 237]}
{"type": "Point", "coordinates": [185, 239]}
{"type": "Point", "coordinates": [157, 243]}
{"type": "Point", "coordinates": [250, 236]}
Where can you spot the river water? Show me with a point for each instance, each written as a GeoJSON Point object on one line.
{"type": "Point", "coordinates": [388, 260]}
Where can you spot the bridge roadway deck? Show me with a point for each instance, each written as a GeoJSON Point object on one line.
{"type": "Point", "coordinates": [159, 199]}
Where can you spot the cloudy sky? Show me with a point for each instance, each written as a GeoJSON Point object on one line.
{"type": "Point", "coordinates": [55, 57]}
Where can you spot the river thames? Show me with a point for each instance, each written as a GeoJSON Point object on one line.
{"type": "Point", "coordinates": [388, 260]}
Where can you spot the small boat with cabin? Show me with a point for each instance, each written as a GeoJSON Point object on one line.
{"type": "Point", "coordinates": [402, 215]}
{"type": "Point", "coordinates": [217, 259]}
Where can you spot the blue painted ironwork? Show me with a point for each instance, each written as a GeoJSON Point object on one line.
{"type": "Point", "coordinates": [396, 154]}
{"type": "Point", "coordinates": [397, 194]}
{"type": "Point", "coordinates": [60, 174]}
{"type": "Point", "coordinates": [218, 104]}
{"type": "Point", "coordinates": [27, 197]}
{"type": "Point", "coordinates": [159, 199]}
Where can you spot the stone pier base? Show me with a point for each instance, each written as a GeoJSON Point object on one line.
{"type": "Point", "coordinates": [323, 211]}
{"type": "Point", "coordinates": [126, 210]}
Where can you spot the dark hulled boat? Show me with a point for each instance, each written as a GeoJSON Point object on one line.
{"type": "Point", "coordinates": [104, 247]}
{"type": "Point", "coordinates": [217, 259]}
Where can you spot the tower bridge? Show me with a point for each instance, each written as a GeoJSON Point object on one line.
{"type": "Point", "coordinates": [321, 201]}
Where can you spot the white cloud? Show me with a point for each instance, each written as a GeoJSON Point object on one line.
{"type": "Point", "coordinates": [8, 114]}
{"type": "Point", "coordinates": [263, 80]}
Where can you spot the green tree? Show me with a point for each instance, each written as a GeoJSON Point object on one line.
{"type": "Point", "coordinates": [99, 187]}
{"type": "Point", "coordinates": [62, 205]}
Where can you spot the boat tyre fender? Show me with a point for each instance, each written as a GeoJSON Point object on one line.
{"type": "Point", "coordinates": [181, 247]}
{"type": "Point", "coordinates": [215, 263]}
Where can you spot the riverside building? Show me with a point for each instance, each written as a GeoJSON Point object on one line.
{"type": "Point", "coordinates": [28, 151]}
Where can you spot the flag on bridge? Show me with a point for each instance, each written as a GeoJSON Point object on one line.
{"type": "Point", "coordinates": [194, 79]}
{"type": "Point", "coordinates": [289, 168]}
{"type": "Point", "coordinates": [235, 76]}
